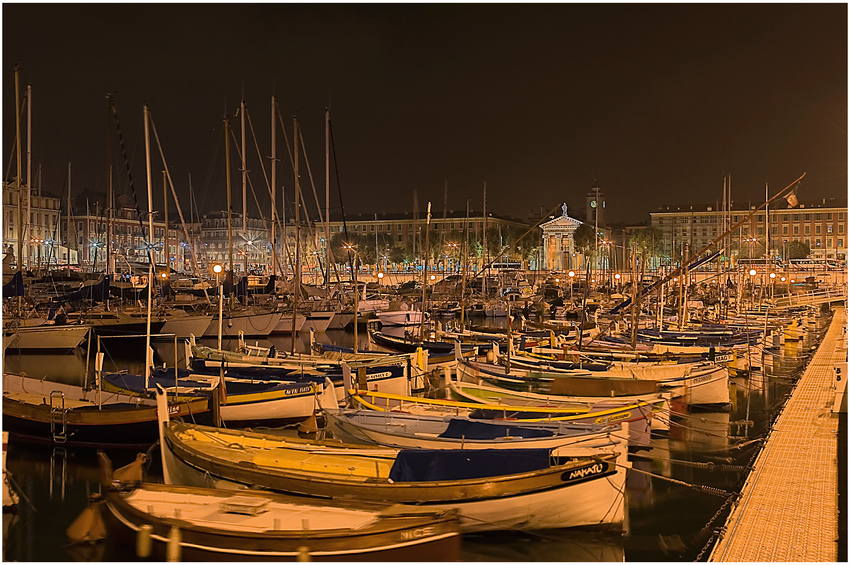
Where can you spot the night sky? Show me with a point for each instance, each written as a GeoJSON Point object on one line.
{"type": "Point", "coordinates": [655, 102]}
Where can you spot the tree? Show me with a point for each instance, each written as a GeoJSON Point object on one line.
{"type": "Point", "coordinates": [797, 249]}
{"type": "Point", "coordinates": [648, 241]}
{"type": "Point", "coordinates": [584, 239]}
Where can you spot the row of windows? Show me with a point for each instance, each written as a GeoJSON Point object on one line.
{"type": "Point", "coordinates": [808, 216]}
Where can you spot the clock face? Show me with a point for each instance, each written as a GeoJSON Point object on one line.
{"type": "Point", "coordinates": [593, 203]}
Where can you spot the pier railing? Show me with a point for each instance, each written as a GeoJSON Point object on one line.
{"type": "Point", "coordinates": [812, 298]}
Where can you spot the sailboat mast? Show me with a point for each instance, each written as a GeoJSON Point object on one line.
{"type": "Point", "coordinates": [229, 203]}
{"type": "Point", "coordinates": [463, 277]}
{"type": "Point", "coordinates": [484, 258]}
{"type": "Point", "coordinates": [274, 190]}
{"type": "Point", "coordinates": [109, 204]}
{"type": "Point", "coordinates": [244, 187]}
{"type": "Point", "coordinates": [296, 280]}
{"type": "Point", "coordinates": [425, 272]}
{"type": "Point", "coordinates": [28, 233]}
{"type": "Point", "coordinates": [20, 186]}
{"type": "Point", "coordinates": [165, 217]}
{"type": "Point", "coordinates": [328, 197]}
{"type": "Point", "coordinates": [148, 359]}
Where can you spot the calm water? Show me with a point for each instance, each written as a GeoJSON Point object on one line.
{"type": "Point", "coordinates": [675, 499]}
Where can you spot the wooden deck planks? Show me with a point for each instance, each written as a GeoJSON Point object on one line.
{"type": "Point", "coordinates": [789, 505]}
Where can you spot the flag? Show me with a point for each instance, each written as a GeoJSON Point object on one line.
{"type": "Point", "coordinates": [792, 197]}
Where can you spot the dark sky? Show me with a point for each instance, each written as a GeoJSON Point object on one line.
{"type": "Point", "coordinates": [657, 102]}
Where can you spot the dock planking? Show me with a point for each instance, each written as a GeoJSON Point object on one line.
{"type": "Point", "coordinates": [788, 509]}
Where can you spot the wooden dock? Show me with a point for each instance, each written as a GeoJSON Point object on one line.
{"type": "Point", "coordinates": [788, 509]}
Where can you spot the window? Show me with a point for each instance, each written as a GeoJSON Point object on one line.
{"type": "Point", "coordinates": [840, 228]}
{"type": "Point", "coordinates": [796, 230]}
{"type": "Point", "coordinates": [829, 216]}
{"type": "Point", "coordinates": [840, 242]}
{"type": "Point", "coordinates": [806, 229]}
{"type": "Point", "coordinates": [807, 217]}
{"type": "Point", "coordinates": [759, 218]}
{"type": "Point", "coordinates": [795, 217]}
{"type": "Point", "coordinates": [784, 230]}
{"type": "Point", "coordinates": [841, 215]}
{"type": "Point", "coordinates": [817, 216]}
{"type": "Point", "coordinates": [773, 230]}
{"type": "Point", "coordinates": [817, 228]}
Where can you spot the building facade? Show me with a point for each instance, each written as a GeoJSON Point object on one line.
{"type": "Point", "coordinates": [820, 225]}
{"type": "Point", "coordinates": [43, 242]}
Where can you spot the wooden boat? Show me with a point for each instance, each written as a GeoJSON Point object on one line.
{"type": "Point", "coordinates": [419, 431]}
{"type": "Point", "coordinates": [202, 524]}
{"type": "Point", "coordinates": [243, 401]}
{"type": "Point", "coordinates": [492, 489]}
{"type": "Point", "coordinates": [501, 404]}
{"type": "Point", "coordinates": [41, 411]}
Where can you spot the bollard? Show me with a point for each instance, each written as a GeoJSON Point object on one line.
{"type": "Point", "coordinates": [172, 546]}
{"type": "Point", "coordinates": [143, 541]}
{"type": "Point", "coordinates": [303, 553]}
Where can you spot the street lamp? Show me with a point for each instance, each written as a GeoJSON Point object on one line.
{"type": "Point", "coordinates": [772, 284]}
{"type": "Point", "coordinates": [571, 274]}
{"type": "Point", "coordinates": [217, 270]}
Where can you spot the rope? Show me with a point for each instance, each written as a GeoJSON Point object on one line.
{"type": "Point", "coordinates": [702, 488]}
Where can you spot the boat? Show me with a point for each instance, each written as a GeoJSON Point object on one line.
{"type": "Point", "coordinates": [259, 324]}
{"type": "Point", "coordinates": [40, 339]}
{"type": "Point", "coordinates": [318, 321]}
{"type": "Point", "coordinates": [418, 431]}
{"type": "Point", "coordinates": [243, 401]}
{"type": "Point", "coordinates": [183, 325]}
{"type": "Point", "coordinates": [10, 496]}
{"type": "Point", "coordinates": [401, 317]}
{"type": "Point", "coordinates": [285, 324]}
{"type": "Point", "coordinates": [492, 489]}
{"type": "Point", "coordinates": [204, 524]}
{"type": "Point", "coordinates": [41, 411]}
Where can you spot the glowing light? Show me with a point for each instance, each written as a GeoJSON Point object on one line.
{"type": "Point", "coordinates": [571, 274]}
{"type": "Point", "coordinates": [617, 276]}
{"type": "Point", "coordinates": [773, 275]}
{"type": "Point", "coordinates": [216, 268]}
{"type": "Point", "coordinates": [380, 275]}
{"type": "Point", "coordinates": [752, 272]}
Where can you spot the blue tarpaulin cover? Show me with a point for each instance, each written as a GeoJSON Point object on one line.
{"type": "Point", "coordinates": [459, 428]}
{"type": "Point", "coordinates": [413, 465]}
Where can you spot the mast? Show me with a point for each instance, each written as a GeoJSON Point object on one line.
{"type": "Point", "coordinates": [229, 203]}
{"type": "Point", "coordinates": [463, 277]}
{"type": "Point", "coordinates": [296, 281]}
{"type": "Point", "coordinates": [425, 272]}
{"type": "Point", "coordinates": [274, 189]}
{"type": "Point", "coordinates": [244, 187]}
{"type": "Point", "coordinates": [165, 218]}
{"type": "Point", "coordinates": [328, 198]}
{"type": "Point", "coordinates": [20, 187]}
{"type": "Point", "coordinates": [484, 257]}
{"type": "Point", "coordinates": [148, 359]}
{"type": "Point", "coordinates": [70, 222]}
{"type": "Point", "coordinates": [109, 204]}
{"type": "Point", "coordinates": [28, 184]}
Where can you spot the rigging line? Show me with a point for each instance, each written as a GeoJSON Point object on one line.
{"type": "Point", "coordinates": [701, 488]}
{"type": "Point", "coordinates": [177, 203]}
{"type": "Point", "coordinates": [259, 208]}
{"type": "Point", "coordinates": [126, 166]}
{"type": "Point", "coordinates": [341, 206]}
{"type": "Point", "coordinates": [310, 174]}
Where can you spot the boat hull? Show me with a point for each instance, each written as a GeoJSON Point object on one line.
{"type": "Point", "coordinates": [586, 492]}
{"type": "Point", "coordinates": [255, 325]}
{"type": "Point", "coordinates": [48, 338]}
{"type": "Point", "coordinates": [221, 526]}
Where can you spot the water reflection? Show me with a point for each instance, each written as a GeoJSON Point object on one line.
{"type": "Point", "coordinates": [673, 491]}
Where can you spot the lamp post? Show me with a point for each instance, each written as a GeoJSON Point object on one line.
{"type": "Point", "coordinates": [571, 274]}
{"type": "Point", "coordinates": [380, 279]}
{"type": "Point", "coordinates": [217, 270]}
{"type": "Point", "coordinates": [772, 284]}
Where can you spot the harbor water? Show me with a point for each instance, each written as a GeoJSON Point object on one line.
{"type": "Point", "coordinates": [679, 491]}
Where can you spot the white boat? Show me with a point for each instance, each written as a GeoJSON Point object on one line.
{"type": "Point", "coordinates": [318, 321]}
{"type": "Point", "coordinates": [401, 317]}
{"type": "Point", "coordinates": [10, 497]}
{"type": "Point", "coordinates": [491, 489]}
{"type": "Point", "coordinates": [251, 325]}
{"type": "Point", "coordinates": [284, 325]}
{"type": "Point", "coordinates": [420, 431]}
{"type": "Point", "coordinates": [224, 525]}
{"type": "Point", "coordinates": [183, 325]}
{"type": "Point", "coordinates": [47, 337]}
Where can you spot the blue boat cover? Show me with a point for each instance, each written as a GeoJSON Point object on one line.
{"type": "Point", "coordinates": [14, 287]}
{"type": "Point", "coordinates": [415, 465]}
{"type": "Point", "coordinates": [459, 428]}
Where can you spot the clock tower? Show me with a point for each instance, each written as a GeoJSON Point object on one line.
{"type": "Point", "coordinates": [595, 205]}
